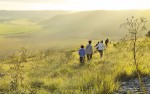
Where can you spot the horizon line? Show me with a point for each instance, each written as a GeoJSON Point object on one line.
{"type": "Point", "coordinates": [73, 10]}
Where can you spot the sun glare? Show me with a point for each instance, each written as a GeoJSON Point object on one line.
{"type": "Point", "coordinates": [77, 5]}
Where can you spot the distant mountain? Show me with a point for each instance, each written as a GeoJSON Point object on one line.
{"type": "Point", "coordinates": [98, 24]}
{"type": "Point", "coordinates": [29, 14]}
{"type": "Point", "coordinates": [59, 29]}
{"type": "Point", "coordinates": [92, 24]}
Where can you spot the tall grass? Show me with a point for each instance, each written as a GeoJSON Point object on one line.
{"type": "Point", "coordinates": [59, 72]}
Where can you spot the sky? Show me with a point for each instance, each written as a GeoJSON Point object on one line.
{"type": "Point", "coordinates": [77, 5]}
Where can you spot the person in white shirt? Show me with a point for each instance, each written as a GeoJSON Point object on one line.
{"type": "Point", "coordinates": [89, 50]}
{"type": "Point", "coordinates": [100, 48]}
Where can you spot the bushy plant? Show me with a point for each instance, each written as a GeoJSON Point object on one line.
{"type": "Point", "coordinates": [148, 34]}
{"type": "Point", "coordinates": [16, 70]}
{"type": "Point", "coordinates": [135, 27]}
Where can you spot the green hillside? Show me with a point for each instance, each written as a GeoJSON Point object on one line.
{"type": "Point", "coordinates": [17, 27]}
{"type": "Point", "coordinates": [61, 29]}
{"type": "Point", "coordinates": [92, 24]}
{"type": "Point", "coordinates": [39, 54]}
{"type": "Point", "coordinates": [55, 71]}
{"type": "Point", "coordinates": [5, 14]}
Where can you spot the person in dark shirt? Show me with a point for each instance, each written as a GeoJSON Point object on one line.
{"type": "Point", "coordinates": [106, 42]}
{"type": "Point", "coordinates": [82, 53]}
{"type": "Point", "coordinates": [96, 45]}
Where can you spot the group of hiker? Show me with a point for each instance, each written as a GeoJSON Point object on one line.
{"type": "Point", "coordinates": [88, 50]}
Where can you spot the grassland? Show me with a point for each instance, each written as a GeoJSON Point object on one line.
{"type": "Point", "coordinates": [59, 71]}
{"type": "Point", "coordinates": [60, 29]}
{"type": "Point", "coordinates": [48, 63]}
{"type": "Point", "coordinates": [17, 27]}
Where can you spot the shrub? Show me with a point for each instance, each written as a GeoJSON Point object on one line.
{"type": "Point", "coordinates": [37, 84]}
{"type": "Point", "coordinates": [51, 87]}
{"type": "Point", "coordinates": [148, 34]}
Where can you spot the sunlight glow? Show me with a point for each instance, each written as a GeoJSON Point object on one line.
{"type": "Point", "coordinates": [76, 5]}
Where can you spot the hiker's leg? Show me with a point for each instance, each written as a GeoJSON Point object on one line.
{"type": "Point", "coordinates": [99, 53]}
{"type": "Point", "coordinates": [83, 59]}
{"type": "Point", "coordinates": [80, 59]}
{"type": "Point", "coordinates": [91, 56]}
{"type": "Point", "coordinates": [88, 57]}
{"type": "Point", "coordinates": [102, 53]}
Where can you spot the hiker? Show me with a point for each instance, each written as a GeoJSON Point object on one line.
{"type": "Point", "coordinates": [82, 54]}
{"type": "Point", "coordinates": [100, 47]}
{"type": "Point", "coordinates": [106, 42]}
{"type": "Point", "coordinates": [89, 50]}
{"type": "Point", "coordinates": [96, 48]}
{"type": "Point", "coordinates": [96, 45]}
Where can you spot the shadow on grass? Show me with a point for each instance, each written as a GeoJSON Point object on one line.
{"type": "Point", "coordinates": [126, 77]}
{"type": "Point", "coordinates": [40, 84]}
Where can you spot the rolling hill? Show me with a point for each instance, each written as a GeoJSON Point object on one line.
{"type": "Point", "coordinates": [59, 29]}
{"type": "Point", "coordinates": [91, 24]}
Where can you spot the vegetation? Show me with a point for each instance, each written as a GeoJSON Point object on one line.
{"type": "Point", "coordinates": [59, 71]}
{"type": "Point", "coordinates": [135, 27]}
{"type": "Point", "coordinates": [34, 69]}
{"type": "Point", "coordinates": [19, 26]}
{"type": "Point", "coordinates": [49, 29]}
{"type": "Point", "coordinates": [148, 34]}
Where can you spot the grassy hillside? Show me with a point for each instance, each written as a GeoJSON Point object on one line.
{"type": "Point", "coordinates": [60, 29]}
{"type": "Point", "coordinates": [92, 24]}
{"type": "Point", "coordinates": [29, 14]}
{"type": "Point", "coordinates": [17, 27]}
{"type": "Point", "coordinates": [56, 71]}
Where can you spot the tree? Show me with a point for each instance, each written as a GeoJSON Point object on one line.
{"type": "Point", "coordinates": [148, 34]}
{"type": "Point", "coordinates": [16, 70]}
{"type": "Point", "coordinates": [135, 28]}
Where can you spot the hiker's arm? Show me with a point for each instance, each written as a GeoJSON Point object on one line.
{"type": "Point", "coordinates": [84, 52]}
{"type": "Point", "coordinates": [86, 47]}
{"type": "Point", "coordinates": [97, 46]}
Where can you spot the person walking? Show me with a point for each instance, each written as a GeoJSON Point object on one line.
{"type": "Point", "coordinates": [82, 54]}
{"type": "Point", "coordinates": [106, 42]}
{"type": "Point", "coordinates": [100, 47]}
{"type": "Point", "coordinates": [89, 50]}
{"type": "Point", "coordinates": [96, 45]}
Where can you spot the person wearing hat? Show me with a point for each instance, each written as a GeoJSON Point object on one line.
{"type": "Point", "coordinates": [89, 50]}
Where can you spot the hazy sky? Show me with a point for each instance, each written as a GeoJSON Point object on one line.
{"type": "Point", "coordinates": [73, 4]}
